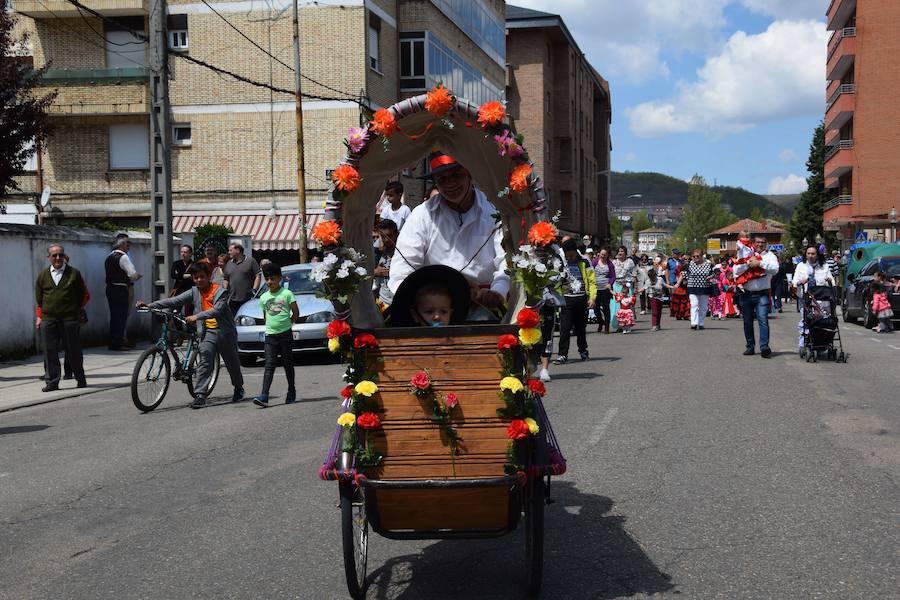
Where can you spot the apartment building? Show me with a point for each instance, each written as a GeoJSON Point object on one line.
{"type": "Point", "coordinates": [862, 117]}
{"type": "Point", "coordinates": [234, 152]}
{"type": "Point", "coordinates": [563, 108]}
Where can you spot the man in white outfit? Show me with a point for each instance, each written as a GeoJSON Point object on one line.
{"type": "Point", "coordinates": [756, 298]}
{"type": "Point", "coordinates": [455, 228]}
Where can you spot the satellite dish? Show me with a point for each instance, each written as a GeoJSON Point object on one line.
{"type": "Point", "coordinates": [45, 197]}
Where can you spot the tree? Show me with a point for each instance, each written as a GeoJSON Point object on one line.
{"type": "Point", "coordinates": [757, 215]}
{"type": "Point", "coordinates": [24, 123]}
{"type": "Point", "coordinates": [702, 214]}
{"type": "Point", "coordinates": [639, 222]}
{"type": "Point", "coordinates": [806, 223]}
{"type": "Point", "coordinates": [616, 228]}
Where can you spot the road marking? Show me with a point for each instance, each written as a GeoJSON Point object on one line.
{"type": "Point", "coordinates": [894, 347]}
{"type": "Point", "coordinates": [875, 340]}
{"type": "Point", "coordinates": [5, 474]}
{"type": "Point", "coordinates": [602, 425]}
{"type": "Point", "coordinates": [856, 332]}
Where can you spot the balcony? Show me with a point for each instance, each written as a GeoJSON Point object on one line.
{"type": "Point", "coordinates": [49, 9]}
{"type": "Point", "coordinates": [54, 77]}
{"type": "Point", "coordinates": [839, 206]}
{"type": "Point", "coordinates": [839, 12]}
{"type": "Point", "coordinates": [840, 106]}
{"type": "Point", "coordinates": [98, 92]}
{"type": "Point", "coordinates": [839, 159]}
{"type": "Point", "coordinates": [842, 54]}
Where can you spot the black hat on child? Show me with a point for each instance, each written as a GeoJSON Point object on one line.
{"type": "Point", "coordinates": [404, 298]}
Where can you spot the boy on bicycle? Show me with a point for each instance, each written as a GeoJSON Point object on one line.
{"type": "Point", "coordinates": [215, 323]}
{"type": "Point", "coordinates": [280, 311]}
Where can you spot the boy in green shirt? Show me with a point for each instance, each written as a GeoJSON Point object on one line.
{"type": "Point", "coordinates": [279, 308]}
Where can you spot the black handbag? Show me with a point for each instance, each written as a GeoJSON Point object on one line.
{"type": "Point", "coordinates": [714, 289]}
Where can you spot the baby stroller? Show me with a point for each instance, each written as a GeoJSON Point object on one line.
{"type": "Point", "coordinates": [820, 325]}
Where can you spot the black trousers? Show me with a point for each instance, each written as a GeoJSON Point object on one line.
{"type": "Point", "coordinates": [62, 335]}
{"type": "Point", "coordinates": [573, 316]}
{"type": "Point", "coordinates": [283, 344]}
{"type": "Point", "coordinates": [548, 323]}
{"type": "Point", "coordinates": [235, 305]}
{"type": "Point", "coordinates": [601, 308]}
{"type": "Point", "coordinates": [117, 298]}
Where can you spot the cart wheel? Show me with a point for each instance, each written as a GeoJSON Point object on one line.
{"type": "Point", "coordinates": [842, 357]}
{"type": "Point", "coordinates": [355, 537]}
{"type": "Point", "coordinates": [815, 357]}
{"type": "Point", "coordinates": [534, 534]}
{"type": "Point", "coordinates": [832, 354]}
{"type": "Point", "coordinates": [802, 352]}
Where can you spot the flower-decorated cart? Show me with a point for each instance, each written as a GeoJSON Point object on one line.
{"type": "Point", "coordinates": [442, 432]}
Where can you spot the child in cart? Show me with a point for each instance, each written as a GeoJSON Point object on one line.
{"type": "Point", "coordinates": [432, 296]}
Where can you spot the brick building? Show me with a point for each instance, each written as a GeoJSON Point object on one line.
{"type": "Point", "coordinates": [563, 108]}
{"type": "Point", "coordinates": [233, 157]}
{"type": "Point", "coordinates": [862, 118]}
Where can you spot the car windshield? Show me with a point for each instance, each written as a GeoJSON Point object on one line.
{"type": "Point", "coordinates": [891, 267]}
{"type": "Point", "coordinates": [296, 281]}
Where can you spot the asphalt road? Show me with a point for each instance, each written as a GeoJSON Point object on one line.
{"type": "Point", "coordinates": [694, 472]}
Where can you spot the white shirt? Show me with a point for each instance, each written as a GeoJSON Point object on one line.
{"type": "Point", "coordinates": [128, 267]}
{"type": "Point", "coordinates": [57, 275]}
{"type": "Point", "coordinates": [820, 274]}
{"type": "Point", "coordinates": [769, 263]}
{"type": "Point", "coordinates": [438, 235]}
{"type": "Point", "coordinates": [399, 216]}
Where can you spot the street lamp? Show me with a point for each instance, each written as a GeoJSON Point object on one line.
{"type": "Point", "coordinates": [893, 217]}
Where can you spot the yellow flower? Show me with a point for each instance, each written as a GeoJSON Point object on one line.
{"type": "Point", "coordinates": [512, 384]}
{"type": "Point", "coordinates": [347, 419]}
{"type": "Point", "coordinates": [529, 337]}
{"type": "Point", "coordinates": [365, 388]}
{"type": "Point", "coordinates": [532, 425]}
{"type": "Point", "coordinates": [334, 344]}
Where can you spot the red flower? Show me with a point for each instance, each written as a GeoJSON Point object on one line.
{"type": "Point", "coordinates": [345, 178]}
{"type": "Point", "coordinates": [438, 100]}
{"type": "Point", "coordinates": [518, 180]}
{"type": "Point", "coordinates": [369, 420]}
{"type": "Point", "coordinates": [542, 233]}
{"type": "Point", "coordinates": [338, 328]}
{"type": "Point", "coordinates": [383, 123]}
{"type": "Point", "coordinates": [451, 400]}
{"type": "Point", "coordinates": [420, 380]}
{"type": "Point", "coordinates": [528, 318]}
{"type": "Point", "coordinates": [347, 391]}
{"type": "Point", "coordinates": [327, 233]}
{"type": "Point", "coordinates": [536, 386]}
{"type": "Point", "coordinates": [491, 113]}
{"type": "Point", "coordinates": [365, 340]}
{"type": "Point", "coordinates": [517, 430]}
{"type": "Point", "coordinates": [507, 341]}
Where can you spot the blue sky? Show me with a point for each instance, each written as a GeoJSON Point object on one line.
{"type": "Point", "coordinates": [730, 89]}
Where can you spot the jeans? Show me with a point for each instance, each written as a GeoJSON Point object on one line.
{"type": "Point", "coordinates": [656, 306]}
{"type": "Point", "coordinates": [225, 344]}
{"type": "Point", "coordinates": [778, 285]}
{"type": "Point", "coordinates": [699, 304]}
{"type": "Point", "coordinates": [62, 335]}
{"type": "Point", "coordinates": [117, 298]}
{"type": "Point", "coordinates": [601, 308]}
{"type": "Point", "coordinates": [755, 305]}
{"type": "Point", "coordinates": [573, 315]}
{"type": "Point", "coordinates": [548, 322]}
{"type": "Point", "coordinates": [283, 344]}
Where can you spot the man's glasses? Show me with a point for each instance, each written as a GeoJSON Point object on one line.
{"type": "Point", "coordinates": [57, 256]}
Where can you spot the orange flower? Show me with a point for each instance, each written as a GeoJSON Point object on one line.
{"type": "Point", "coordinates": [491, 113]}
{"type": "Point", "coordinates": [518, 181]}
{"type": "Point", "coordinates": [345, 178]}
{"type": "Point", "coordinates": [327, 233]}
{"type": "Point", "coordinates": [383, 123]}
{"type": "Point", "coordinates": [438, 101]}
{"type": "Point", "coordinates": [542, 233]}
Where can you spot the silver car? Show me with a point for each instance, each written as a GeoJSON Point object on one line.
{"type": "Point", "coordinates": [309, 332]}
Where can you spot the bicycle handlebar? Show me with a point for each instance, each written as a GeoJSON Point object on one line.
{"type": "Point", "coordinates": [163, 312]}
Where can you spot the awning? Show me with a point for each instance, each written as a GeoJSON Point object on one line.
{"type": "Point", "coordinates": [279, 233]}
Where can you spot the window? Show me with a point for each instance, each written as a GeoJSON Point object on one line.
{"type": "Point", "coordinates": [129, 146]}
{"type": "Point", "coordinates": [565, 154]}
{"type": "Point", "coordinates": [444, 65]}
{"type": "Point", "coordinates": [374, 42]}
{"type": "Point", "coordinates": [412, 61]}
{"type": "Point", "coordinates": [481, 24]}
{"type": "Point", "coordinates": [181, 134]}
{"type": "Point", "coordinates": [123, 48]}
{"type": "Point", "coordinates": [31, 161]}
{"type": "Point", "coordinates": [178, 39]}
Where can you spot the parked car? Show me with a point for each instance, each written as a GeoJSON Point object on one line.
{"type": "Point", "coordinates": [858, 295]}
{"type": "Point", "coordinates": [309, 332]}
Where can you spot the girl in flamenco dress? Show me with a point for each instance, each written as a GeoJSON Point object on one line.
{"type": "Point", "coordinates": [625, 314]}
{"type": "Point", "coordinates": [679, 303]}
{"type": "Point", "coordinates": [717, 303]}
{"type": "Point", "coordinates": [728, 291]}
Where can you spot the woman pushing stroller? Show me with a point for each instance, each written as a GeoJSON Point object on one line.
{"type": "Point", "coordinates": [811, 272]}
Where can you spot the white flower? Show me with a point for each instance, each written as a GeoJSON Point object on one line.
{"type": "Point", "coordinates": [353, 254]}
{"type": "Point", "coordinates": [526, 248]}
{"type": "Point", "coordinates": [319, 273]}
{"type": "Point", "coordinates": [330, 259]}
{"type": "Point", "coordinates": [557, 264]}
{"type": "Point", "coordinates": [540, 268]}
{"type": "Point", "coordinates": [342, 273]}
{"type": "Point", "coordinates": [347, 264]}
{"type": "Point", "coordinates": [522, 263]}
{"type": "Point", "coordinates": [360, 271]}
{"type": "Point", "coordinates": [575, 286]}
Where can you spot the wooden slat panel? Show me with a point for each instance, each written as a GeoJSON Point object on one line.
{"type": "Point", "coordinates": [430, 509]}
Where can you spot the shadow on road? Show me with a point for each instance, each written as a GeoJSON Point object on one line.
{"type": "Point", "coordinates": [587, 554]}
{"type": "Point", "coordinates": [23, 429]}
{"type": "Point", "coordinates": [576, 375]}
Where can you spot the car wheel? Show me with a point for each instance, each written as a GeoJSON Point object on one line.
{"type": "Point", "coordinates": [248, 361]}
{"type": "Point", "coordinates": [845, 312]}
{"type": "Point", "coordinates": [869, 319]}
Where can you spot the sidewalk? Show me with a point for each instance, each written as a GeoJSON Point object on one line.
{"type": "Point", "coordinates": [104, 369]}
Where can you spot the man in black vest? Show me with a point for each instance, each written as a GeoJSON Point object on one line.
{"type": "Point", "coordinates": [60, 293]}
{"type": "Point", "coordinates": [120, 277]}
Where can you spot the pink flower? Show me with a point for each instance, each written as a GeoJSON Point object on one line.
{"type": "Point", "coordinates": [357, 138]}
{"type": "Point", "coordinates": [420, 380]}
{"type": "Point", "coordinates": [451, 400]}
{"type": "Point", "coordinates": [508, 145]}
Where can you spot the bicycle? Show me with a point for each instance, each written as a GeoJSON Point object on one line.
{"type": "Point", "coordinates": [153, 370]}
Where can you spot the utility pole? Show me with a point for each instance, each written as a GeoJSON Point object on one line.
{"type": "Point", "coordinates": [298, 110]}
{"type": "Point", "coordinates": [160, 158]}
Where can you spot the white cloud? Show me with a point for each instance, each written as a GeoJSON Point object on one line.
{"type": "Point", "coordinates": [625, 40]}
{"type": "Point", "coordinates": [787, 155]}
{"type": "Point", "coordinates": [769, 76]}
{"type": "Point", "coordinates": [788, 9]}
{"type": "Point", "coordinates": [791, 184]}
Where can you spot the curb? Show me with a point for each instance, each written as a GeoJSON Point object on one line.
{"type": "Point", "coordinates": [75, 393]}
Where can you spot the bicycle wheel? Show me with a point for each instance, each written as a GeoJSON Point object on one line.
{"type": "Point", "coordinates": [355, 537]}
{"type": "Point", "coordinates": [192, 380]}
{"type": "Point", "coordinates": [150, 378]}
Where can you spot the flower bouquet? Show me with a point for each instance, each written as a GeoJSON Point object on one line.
{"type": "Point", "coordinates": [340, 273]}
{"type": "Point", "coordinates": [537, 265]}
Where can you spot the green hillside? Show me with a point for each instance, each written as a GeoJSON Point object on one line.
{"type": "Point", "coordinates": [787, 201]}
{"type": "Point", "coordinates": [656, 188]}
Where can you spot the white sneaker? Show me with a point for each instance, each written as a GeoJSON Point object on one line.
{"type": "Point", "coordinates": [643, 313]}
{"type": "Point", "coordinates": [545, 375]}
